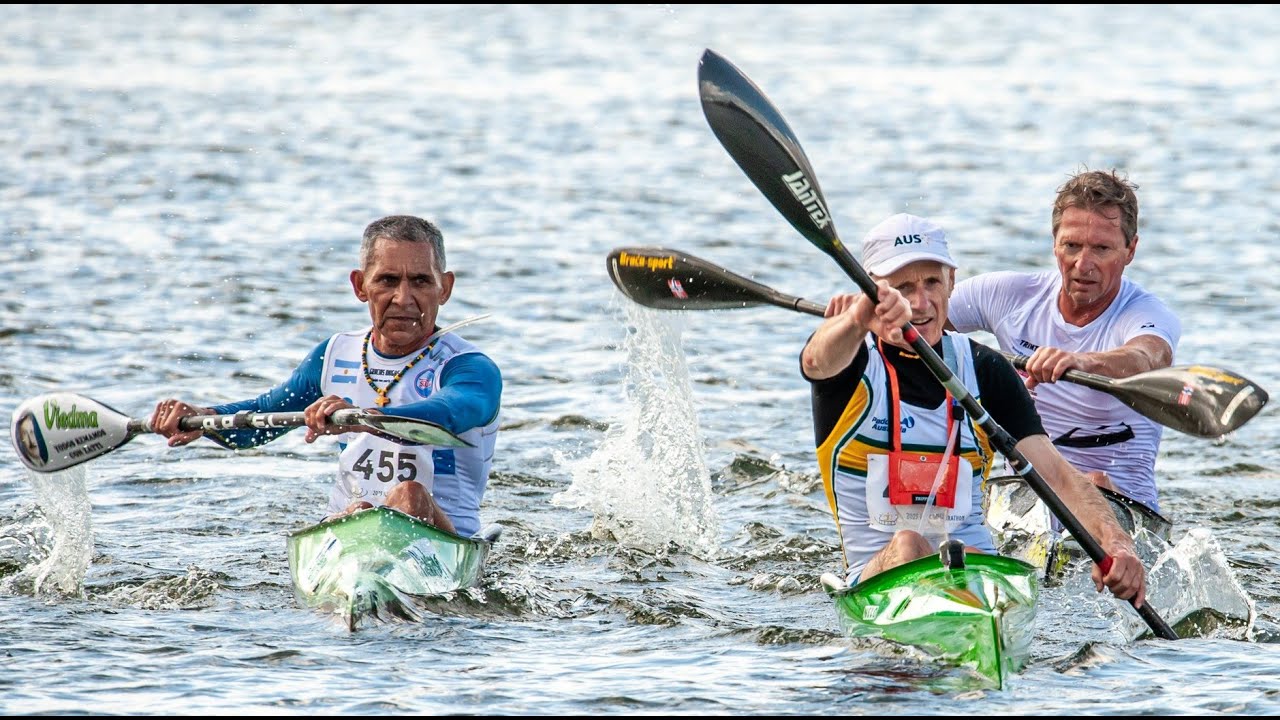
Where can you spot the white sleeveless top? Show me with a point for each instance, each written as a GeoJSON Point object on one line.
{"type": "Point", "coordinates": [862, 435]}
{"type": "Point", "coordinates": [369, 466]}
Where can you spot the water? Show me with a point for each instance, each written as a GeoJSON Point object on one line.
{"type": "Point", "coordinates": [182, 191]}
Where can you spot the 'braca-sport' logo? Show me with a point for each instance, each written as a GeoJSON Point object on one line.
{"type": "Point", "coordinates": [1215, 374]}
{"type": "Point", "coordinates": [632, 260]}
{"type": "Point", "coordinates": [73, 419]}
{"type": "Point", "coordinates": [808, 196]}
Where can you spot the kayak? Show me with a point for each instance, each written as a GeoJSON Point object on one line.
{"type": "Point", "coordinates": [1022, 526]}
{"type": "Point", "coordinates": [374, 564]}
{"type": "Point", "coordinates": [977, 613]}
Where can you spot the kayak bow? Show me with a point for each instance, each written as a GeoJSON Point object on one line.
{"type": "Point", "coordinates": [979, 616]}
{"type": "Point", "coordinates": [375, 563]}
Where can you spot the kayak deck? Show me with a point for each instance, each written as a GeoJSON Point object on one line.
{"type": "Point", "coordinates": [376, 562]}
{"type": "Point", "coordinates": [980, 616]}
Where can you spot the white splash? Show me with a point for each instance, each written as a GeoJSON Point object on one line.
{"type": "Point", "coordinates": [65, 503]}
{"type": "Point", "coordinates": [1192, 584]}
{"type": "Point", "coordinates": [648, 482]}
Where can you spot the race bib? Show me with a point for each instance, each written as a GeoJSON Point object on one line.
{"type": "Point", "coordinates": [370, 467]}
{"type": "Point", "coordinates": [914, 480]}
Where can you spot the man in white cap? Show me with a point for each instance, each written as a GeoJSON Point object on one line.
{"type": "Point", "coordinates": [873, 397]}
{"type": "Point", "coordinates": [1086, 316]}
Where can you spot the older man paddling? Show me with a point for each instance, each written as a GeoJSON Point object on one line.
{"type": "Point", "coordinates": [1086, 316]}
{"type": "Point", "coordinates": [397, 366]}
{"type": "Point", "coordinates": [902, 463]}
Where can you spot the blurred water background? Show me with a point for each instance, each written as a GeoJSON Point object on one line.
{"type": "Point", "coordinates": [182, 191]}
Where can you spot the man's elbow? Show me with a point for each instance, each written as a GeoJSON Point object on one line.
{"type": "Point", "coordinates": [807, 365]}
{"type": "Point", "coordinates": [1154, 352]}
{"type": "Point", "coordinates": [811, 366]}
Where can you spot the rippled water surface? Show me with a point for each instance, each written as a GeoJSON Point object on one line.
{"type": "Point", "coordinates": [182, 191]}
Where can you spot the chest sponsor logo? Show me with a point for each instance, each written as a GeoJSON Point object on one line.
{"type": "Point", "coordinates": [423, 382]}
{"type": "Point", "coordinates": [882, 424]}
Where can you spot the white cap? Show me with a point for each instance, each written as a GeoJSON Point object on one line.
{"type": "Point", "coordinates": [901, 240]}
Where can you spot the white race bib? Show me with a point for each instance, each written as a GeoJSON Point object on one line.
{"type": "Point", "coordinates": [371, 466]}
{"type": "Point", "coordinates": [925, 519]}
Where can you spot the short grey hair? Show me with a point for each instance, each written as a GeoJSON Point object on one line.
{"type": "Point", "coordinates": [402, 228]}
{"type": "Point", "coordinates": [1096, 190]}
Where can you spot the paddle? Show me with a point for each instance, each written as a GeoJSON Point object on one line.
{"type": "Point", "coordinates": [1197, 399]}
{"type": "Point", "coordinates": [59, 430]}
{"type": "Point", "coordinates": [672, 280]}
{"type": "Point", "coordinates": [753, 132]}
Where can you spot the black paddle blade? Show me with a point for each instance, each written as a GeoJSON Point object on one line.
{"type": "Point", "coordinates": [763, 145]}
{"type": "Point", "coordinates": [670, 280]}
{"type": "Point", "coordinates": [1196, 399]}
{"type": "Point", "coordinates": [667, 279]}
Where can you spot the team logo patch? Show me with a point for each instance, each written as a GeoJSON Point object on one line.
{"type": "Point", "coordinates": [882, 424]}
{"type": "Point", "coordinates": [423, 382]}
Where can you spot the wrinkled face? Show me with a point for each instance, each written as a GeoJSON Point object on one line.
{"type": "Point", "coordinates": [1091, 257]}
{"type": "Point", "coordinates": [404, 290]}
{"type": "Point", "coordinates": [927, 287]}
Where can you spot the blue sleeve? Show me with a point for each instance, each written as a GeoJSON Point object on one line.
{"type": "Point", "coordinates": [295, 394]}
{"type": "Point", "coordinates": [469, 396]}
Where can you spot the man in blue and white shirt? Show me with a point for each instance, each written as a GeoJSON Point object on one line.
{"type": "Point", "coordinates": [397, 366]}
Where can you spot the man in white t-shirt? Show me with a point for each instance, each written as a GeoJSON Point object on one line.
{"type": "Point", "coordinates": [1087, 317]}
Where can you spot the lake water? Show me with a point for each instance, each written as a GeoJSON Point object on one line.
{"type": "Point", "coordinates": [182, 191]}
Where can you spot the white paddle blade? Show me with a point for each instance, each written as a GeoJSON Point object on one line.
{"type": "Point", "coordinates": [419, 431]}
{"type": "Point", "coordinates": [56, 431]}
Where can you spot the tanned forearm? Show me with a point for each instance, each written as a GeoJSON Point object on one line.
{"type": "Point", "coordinates": [1081, 497]}
{"type": "Point", "coordinates": [850, 316]}
{"type": "Point", "coordinates": [832, 347]}
{"type": "Point", "coordinates": [1141, 354]}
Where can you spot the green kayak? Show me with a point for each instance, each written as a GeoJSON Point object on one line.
{"type": "Point", "coordinates": [374, 564]}
{"type": "Point", "coordinates": [978, 614]}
